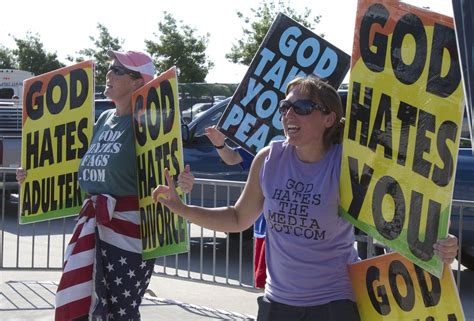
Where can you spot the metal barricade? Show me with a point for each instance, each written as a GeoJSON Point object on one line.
{"type": "Point", "coordinates": [212, 257]}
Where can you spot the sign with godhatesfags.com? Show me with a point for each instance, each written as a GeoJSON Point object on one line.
{"type": "Point", "coordinates": [402, 128]}
{"type": "Point", "coordinates": [157, 127]}
{"type": "Point", "coordinates": [56, 131]}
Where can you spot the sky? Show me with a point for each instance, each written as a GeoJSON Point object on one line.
{"type": "Point", "coordinates": [66, 31]}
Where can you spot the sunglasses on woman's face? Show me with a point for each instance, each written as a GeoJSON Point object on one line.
{"type": "Point", "coordinates": [301, 107]}
{"type": "Point", "coordinates": [120, 71]}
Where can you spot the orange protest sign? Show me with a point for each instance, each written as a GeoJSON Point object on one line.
{"type": "Point", "coordinates": [390, 287]}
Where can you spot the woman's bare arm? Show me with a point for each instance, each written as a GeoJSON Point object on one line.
{"type": "Point", "coordinates": [226, 219]}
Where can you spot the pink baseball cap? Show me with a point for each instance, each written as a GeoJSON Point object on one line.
{"type": "Point", "coordinates": [136, 61]}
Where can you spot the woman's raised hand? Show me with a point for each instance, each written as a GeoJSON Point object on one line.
{"type": "Point", "coordinates": [167, 195]}
{"type": "Point", "coordinates": [186, 179]}
{"type": "Point", "coordinates": [215, 136]}
{"type": "Point", "coordinates": [20, 175]}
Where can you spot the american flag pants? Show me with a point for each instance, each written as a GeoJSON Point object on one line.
{"type": "Point", "coordinates": [104, 276]}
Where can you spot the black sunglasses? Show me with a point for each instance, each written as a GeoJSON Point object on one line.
{"type": "Point", "coordinates": [120, 71]}
{"type": "Point", "coordinates": [301, 107]}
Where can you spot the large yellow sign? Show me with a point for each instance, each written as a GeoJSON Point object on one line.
{"type": "Point", "coordinates": [57, 127]}
{"type": "Point", "coordinates": [402, 128]}
{"type": "Point", "coordinates": [157, 127]}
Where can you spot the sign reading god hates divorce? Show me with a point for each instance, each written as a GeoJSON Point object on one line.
{"type": "Point", "coordinates": [389, 287]}
{"type": "Point", "coordinates": [402, 128]}
{"type": "Point", "coordinates": [289, 50]}
{"type": "Point", "coordinates": [157, 127]}
{"type": "Point", "coordinates": [463, 12]}
{"type": "Point", "coordinates": [57, 127]}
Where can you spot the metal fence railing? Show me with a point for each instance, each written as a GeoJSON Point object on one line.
{"type": "Point", "coordinates": [213, 256]}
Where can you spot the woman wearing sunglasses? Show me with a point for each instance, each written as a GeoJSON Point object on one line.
{"type": "Point", "coordinates": [296, 184]}
{"type": "Point", "coordinates": [104, 276]}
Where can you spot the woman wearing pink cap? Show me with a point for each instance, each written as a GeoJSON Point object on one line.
{"type": "Point", "coordinates": [104, 276]}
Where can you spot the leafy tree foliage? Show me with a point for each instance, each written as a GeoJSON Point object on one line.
{"type": "Point", "coordinates": [7, 59]}
{"type": "Point", "coordinates": [103, 43]}
{"type": "Point", "coordinates": [256, 27]}
{"type": "Point", "coordinates": [31, 55]}
{"type": "Point", "coordinates": [180, 47]}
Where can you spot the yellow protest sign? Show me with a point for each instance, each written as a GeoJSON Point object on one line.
{"type": "Point", "coordinates": [57, 127]}
{"type": "Point", "coordinates": [402, 128]}
{"type": "Point", "coordinates": [159, 145]}
{"type": "Point", "coordinates": [389, 287]}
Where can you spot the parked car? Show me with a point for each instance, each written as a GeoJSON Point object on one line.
{"type": "Point", "coordinates": [219, 98]}
{"type": "Point", "coordinates": [206, 163]}
{"type": "Point", "coordinates": [189, 114]}
{"type": "Point", "coordinates": [200, 153]}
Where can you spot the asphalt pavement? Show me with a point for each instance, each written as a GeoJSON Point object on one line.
{"type": "Point", "coordinates": [29, 295]}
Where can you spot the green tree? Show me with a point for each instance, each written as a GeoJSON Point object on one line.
{"type": "Point", "coordinates": [103, 43]}
{"type": "Point", "coordinates": [31, 55]}
{"type": "Point", "coordinates": [256, 27]}
{"type": "Point", "coordinates": [180, 48]}
{"type": "Point", "coordinates": [7, 59]}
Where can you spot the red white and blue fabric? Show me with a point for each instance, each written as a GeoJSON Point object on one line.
{"type": "Point", "coordinates": [104, 276]}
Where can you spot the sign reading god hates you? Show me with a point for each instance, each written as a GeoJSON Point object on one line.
{"type": "Point", "coordinates": [157, 127]}
{"type": "Point", "coordinates": [289, 50]}
{"type": "Point", "coordinates": [57, 127]}
{"type": "Point", "coordinates": [402, 128]}
{"type": "Point", "coordinates": [389, 287]}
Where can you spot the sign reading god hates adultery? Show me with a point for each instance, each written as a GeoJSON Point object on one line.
{"type": "Point", "coordinates": [402, 128]}
{"type": "Point", "coordinates": [288, 50]}
{"type": "Point", "coordinates": [389, 287]}
{"type": "Point", "coordinates": [57, 127]}
{"type": "Point", "coordinates": [157, 128]}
